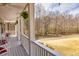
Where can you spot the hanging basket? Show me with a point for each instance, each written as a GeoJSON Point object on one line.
{"type": "Point", "coordinates": [24, 14]}
{"type": "Point", "coordinates": [1, 21]}
{"type": "Point", "coordinates": [16, 22]}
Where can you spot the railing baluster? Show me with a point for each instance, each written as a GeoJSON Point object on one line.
{"type": "Point", "coordinates": [41, 52]}
{"type": "Point", "coordinates": [38, 49]}
{"type": "Point", "coordinates": [48, 54]}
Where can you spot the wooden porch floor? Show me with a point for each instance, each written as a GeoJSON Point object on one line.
{"type": "Point", "coordinates": [14, 48]}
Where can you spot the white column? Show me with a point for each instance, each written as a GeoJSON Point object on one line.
{"type": "Point", "coordinates": [22, 26]}
{"type": "Point", "coordinates": [19, 29]}
{"type": "Point", "coordinates": [0, 32]}
{"type": "Point", "coordinates": [32, 27]}
{"type": "Point", "coordinates": [0, 28]}
{"type": "Point", "coordinates": [6, 29]}
{"type": "Point", "coordinates": [32, 21]}
{"type": "Point", "coordinates": [16, 30]}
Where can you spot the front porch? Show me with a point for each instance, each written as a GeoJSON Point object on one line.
{"type": "Point", "coordinates": [21, 41]}
{"type": "Point", "coordinates": [14, 45]}
{"type": "Point", "coordinates": [14, 48]}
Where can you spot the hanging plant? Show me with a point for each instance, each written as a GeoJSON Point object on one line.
{"type": "Point", "coordinates": [16, 22]}
{"type": "Point", "coordinates": [1, 22]}
{"type": "Point", "coordinates": [24, 14]}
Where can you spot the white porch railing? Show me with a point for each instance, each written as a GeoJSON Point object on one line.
{"type": "Point", "coordinates": [25, 42]}
{"type": "Point", "coordinates": [36, 48]}
{"type": "Point", "coordinates": [42, 50]}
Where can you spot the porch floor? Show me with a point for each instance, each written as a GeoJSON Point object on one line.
{"type": "Point", "coordinates": [14, 48]}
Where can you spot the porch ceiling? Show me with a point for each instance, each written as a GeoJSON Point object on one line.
{"type": "Point", "coordinates": [9, 11]}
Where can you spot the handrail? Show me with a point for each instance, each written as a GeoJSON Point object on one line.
{"type": "Point", "coordinates": [28, 42]}
{"type": "Point", "coordinates": [25, 36]}
{"type": "Point", "coordinates": [51, 51]}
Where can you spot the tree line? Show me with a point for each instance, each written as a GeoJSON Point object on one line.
{"type": "Point", "coordinates": [57, 24]}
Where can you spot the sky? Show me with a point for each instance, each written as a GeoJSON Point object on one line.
{"type": "Point", "coordinates": [71, 8]}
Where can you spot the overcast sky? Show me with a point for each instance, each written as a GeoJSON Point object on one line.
{"type": "Point", "coordinates": [71, 8]}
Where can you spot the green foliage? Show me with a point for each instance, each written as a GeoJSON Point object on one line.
{"type": "Point", "coordinates": [24, 14]}
{"type": "Point", "coordinates": [16, 22]}
{"type": "Point", "coordinates": [1, 21]}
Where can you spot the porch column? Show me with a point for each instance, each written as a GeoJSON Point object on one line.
{"type": "Point", "coordinates": [16, 30]}
{"type": "Point", "coordinates": [22, 26]}
{"type": "Point", "coordinates": [19, 28]}
{"type": "Point", "coordinates": [32, 26]}
{"type": "Point", "coordinates": [0, 32]}
{"type": "Point", "coordinates": [6, 29]}
{"type": "Point", "coordinates": [32, 21]}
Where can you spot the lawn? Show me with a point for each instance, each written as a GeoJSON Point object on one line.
{"type": "Point", "coordinates": [66, 45]}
